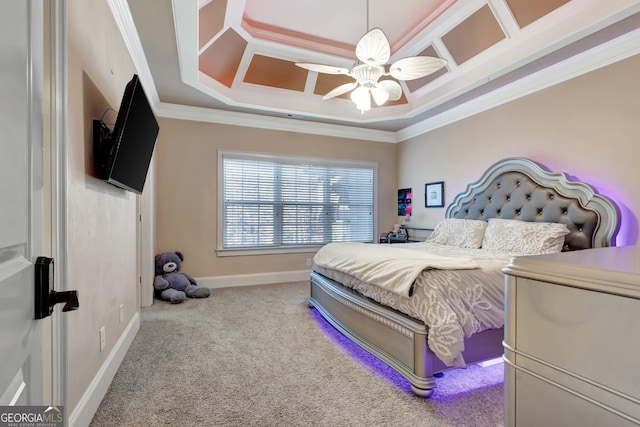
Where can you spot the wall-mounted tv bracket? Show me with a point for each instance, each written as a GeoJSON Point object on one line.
{"type": "Point", "coordinates": [46, 296]}
{"type": "Point", "coordinates": [102, 146]}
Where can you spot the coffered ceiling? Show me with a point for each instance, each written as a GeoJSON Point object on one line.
{"type": "Point", "coordinates": [235, 59]}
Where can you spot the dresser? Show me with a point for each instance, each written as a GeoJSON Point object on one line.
{"type": "Point", "coordinates": [572, 339]}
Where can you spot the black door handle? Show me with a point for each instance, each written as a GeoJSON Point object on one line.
{"type": "Point", "coordinates": [45, 295]}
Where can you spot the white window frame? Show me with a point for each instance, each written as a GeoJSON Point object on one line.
{"type": "Point", "coordinates": [323, 161]}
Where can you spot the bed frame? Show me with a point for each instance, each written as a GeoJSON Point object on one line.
{"type": "Point", "coordinates": [514, 188]}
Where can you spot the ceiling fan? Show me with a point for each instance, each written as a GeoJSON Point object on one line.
{"type": "Point", "coordinates": [373, 52]}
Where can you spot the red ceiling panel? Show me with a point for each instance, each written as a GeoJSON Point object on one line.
{"type": "Point", "coordinates": [277, 73]}
{"type": "Point", "coordinates": [210, 21]}
{"type": "Point", "coordinates": [220, 61]}
{"type": "Point", "coordinates": [475, 34]}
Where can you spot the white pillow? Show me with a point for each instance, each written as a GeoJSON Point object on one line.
{"type": "Point", "coordinates": [524, 238]}
{"type": "Point", "coordinates": [464, 233]}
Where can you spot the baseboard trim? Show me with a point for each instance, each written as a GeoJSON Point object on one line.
{"type": "Point", "coordinates": [253, 279]}
{"type": "Point", "coordinates": [88, 405]}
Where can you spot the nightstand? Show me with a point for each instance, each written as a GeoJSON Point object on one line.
{"type": "Point", "coordinates": [385, 238]}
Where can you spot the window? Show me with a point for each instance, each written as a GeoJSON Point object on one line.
{"type": "Point", "coordinates": [283, 202]}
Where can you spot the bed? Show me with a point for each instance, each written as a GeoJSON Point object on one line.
{"type": "Point", "coordinates": [421, 338]}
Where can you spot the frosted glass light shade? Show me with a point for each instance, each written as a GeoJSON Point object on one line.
{"type": "Point", "coordinates": [380, 96]}
{"type": "Point", "coordinates": [360, 95]}
{"type": "Point", "coordinates": [363, 107]}
{"type": "Point", "coordinates": [392, 88]}
{"type": "Point", "coordinates": [362, 98]}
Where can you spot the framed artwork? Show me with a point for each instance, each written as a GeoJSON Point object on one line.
{"type": "Point", "coordinates": [404, 202]}
{"type": "Point", "coordinates": [434, 195]}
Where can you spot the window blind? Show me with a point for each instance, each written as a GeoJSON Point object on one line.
{"type": "Point", "coordinates": [284, 202]}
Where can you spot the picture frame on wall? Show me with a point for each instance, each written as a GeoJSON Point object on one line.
{"type": "Point", "coordinates": [404, 202]}
{"type": "Point", "coordinates": [434, 195]}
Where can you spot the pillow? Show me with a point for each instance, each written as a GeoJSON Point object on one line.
{"type": "Point", "coordinates": [524, 238]}
{"type": "Point", "coordinates": [464, 233]}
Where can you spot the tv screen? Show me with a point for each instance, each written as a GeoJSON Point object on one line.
{"type": "Point", "coordinates": [124, 155]}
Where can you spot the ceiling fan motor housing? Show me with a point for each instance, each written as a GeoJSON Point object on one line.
{"type": "Point", "coordinates": [367, 75]}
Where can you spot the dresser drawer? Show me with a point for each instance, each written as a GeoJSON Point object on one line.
{"type": "Point", "coordinates": [592, 334]}
{"type": "Point", "coordinates": [541, 403]}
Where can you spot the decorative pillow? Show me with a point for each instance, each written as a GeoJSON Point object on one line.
{"type": "Point", "coordinates": [464, 233]}
{"type": "Point", "coordinates": [524, 238]}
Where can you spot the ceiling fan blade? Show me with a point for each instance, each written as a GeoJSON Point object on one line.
{"type": "Point", "coordinates": [415, 67]}
{"type": "Point", "coordinates": [373, 48]}
{"type": "Point", "coordinates": [392, 88]}
{"type": "Point", "coordinates": [319, 68]}
{"type": "Point", "coordinates": [340, 90]}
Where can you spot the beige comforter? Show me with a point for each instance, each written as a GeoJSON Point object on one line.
{"type": "Point", "coordinates": [392, 268]}
{"type": "Point", "coordinates": [454, 304]}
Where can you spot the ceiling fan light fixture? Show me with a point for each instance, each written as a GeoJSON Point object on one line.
{"type": "Point", "coordinates": [380, 96]}
{"type": "Point", "coordinates": [363, 107]}
{"type": "Point", "coordinates": [392, 87]}
{"type": "Point", "coordinates": [373, 52]}
{"type": "Point", "coordinates": [361, 96]}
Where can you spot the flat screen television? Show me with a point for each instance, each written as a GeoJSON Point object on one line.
{"type": "Point", "coordinates": [124, 154]}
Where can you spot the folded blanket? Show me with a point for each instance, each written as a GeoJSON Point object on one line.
{"type": "Point", "coordinates": [393, 268]}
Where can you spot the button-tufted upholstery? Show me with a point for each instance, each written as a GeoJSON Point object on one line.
{"type": "Point", "coordinates": [515, 194]}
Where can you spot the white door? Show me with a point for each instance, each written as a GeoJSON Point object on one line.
{"type": "Point", "coordinates": [21, 184]}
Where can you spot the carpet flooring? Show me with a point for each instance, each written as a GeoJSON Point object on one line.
{"type": "Point", "coordinates": [259, 356]}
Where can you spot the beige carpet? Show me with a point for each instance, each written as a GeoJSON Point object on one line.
{"type": "Point", "coordinates": [259, 356]}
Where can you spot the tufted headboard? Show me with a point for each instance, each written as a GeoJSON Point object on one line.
{"type": "Point", "coordinates": [518, 188]}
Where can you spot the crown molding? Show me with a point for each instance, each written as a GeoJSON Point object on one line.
{"type": "Point", "coordinates": [233, 118]}
{"type": "Point", "coordinates": [592, 59]}
{"type": "Point", "coordinates": [122, 15]}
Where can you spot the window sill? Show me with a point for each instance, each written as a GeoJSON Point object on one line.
{"type": "Point", "coordinates": [266, 251]}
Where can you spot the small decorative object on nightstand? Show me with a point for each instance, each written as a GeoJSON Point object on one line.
{"type": "Point", "coordinates": [400, 233]}
{"type": "Point", "coordinates": [393, 238]}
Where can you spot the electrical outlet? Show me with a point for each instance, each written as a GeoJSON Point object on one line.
{"type": "Point", "coordinates": [308, 262]}
{"type": "Point", "coordinates": [121, 313]}
{"type": "Point", "coordinates": [103, 338]}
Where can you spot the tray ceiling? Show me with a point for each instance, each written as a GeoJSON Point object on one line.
{"type": "Point", "coordinates": [239, 55]}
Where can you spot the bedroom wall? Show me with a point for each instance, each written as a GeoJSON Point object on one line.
{"type": "Point", "coordinates": [187, 179]}
{"type": "Point", "coordinates": [101, 219]}
{"type": "Point", "coordinates": [587, 127]}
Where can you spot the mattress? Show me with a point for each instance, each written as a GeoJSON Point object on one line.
{"type": "Point", "coordinates": [454, 304]}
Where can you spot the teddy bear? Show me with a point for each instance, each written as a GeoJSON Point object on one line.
{"type": "Point", "coordinates": [171, 284]}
